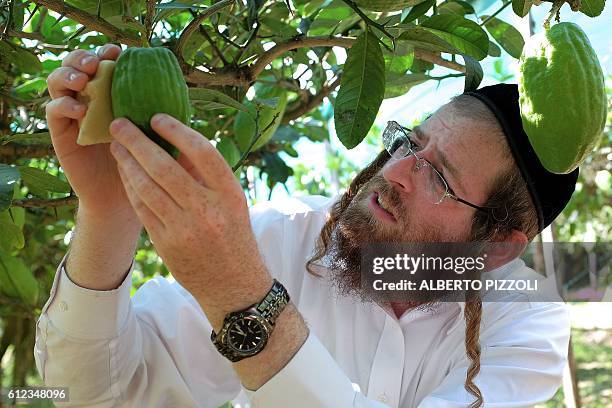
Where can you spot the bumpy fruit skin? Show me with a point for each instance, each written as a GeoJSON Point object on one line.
{"type": "Point", "coordinates": [147, 81]}
{"type": "Point", "coordinates": [562, 96]}
{"type": "Point", "coordinates": [386, 5]}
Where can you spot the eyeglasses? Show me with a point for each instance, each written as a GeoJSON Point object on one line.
{"type": "Point", "coordinates": [399, 144]}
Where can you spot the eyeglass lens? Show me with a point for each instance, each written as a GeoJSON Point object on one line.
{"type": "Point", "coordinates": [398, 144]}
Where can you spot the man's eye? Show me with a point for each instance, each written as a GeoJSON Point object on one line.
{"type": "Point", "coordinates": [415, 146]}
{"type": "Point", "coordinates": [440, 182]}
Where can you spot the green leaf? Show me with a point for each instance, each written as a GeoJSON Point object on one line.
{"type": "Point", "coordinates": [27, 61]}
{"type": "Point", "coordinates": [473, 73]}
{"type": "Point", "coordinates": [28, 138]}
{"type": "Point", "coordinates": [506, 35]}
{"type": "Point", "coordinates": [229, 151]}
{"type": "Point", "coordinates": [128, 25]}
{"type": "Point", "coordinates": [398, 85]}
{"type": "Point", "coordinates": [269, 102]}
{"type": "Point", "coordinates": [40, 182]}
{"type": "Point", "coordinates": [335, 17]}
{"type": "Point", "coordinates": [168, 9]}
{"type": "Point", "coordinates": [277, 28]}
{"type": "Point", "coordinates": [494, 50]}
{"type": "Point", "coordinates": [286, 133]}
{"type": "Point", "coordinates": [592, 8]}
{"type": "Point", "coordinates": [253, 7]}
{"type": "Point", "coordinates": [244, 126]}
{"type": "Point", "coordinates": [179, 5]}
{"type": "Point", "coordinates": [361, 92]}
{"type": "Point", "coordinates": [24, 60]}
{"type": "Point", "coordinates": [419, 10]}
{"type": "Point", "coordinates": [278, 171]}
{"type": "Point", "coordinates": [17, 12]}
{"type": "Point", "coordinates": [422, 38]}
{"type": "Point", "coordinates": [400, 60]}
{"type": "Point", "coordinates": [20, 277]}
{"type": "Point", "coordinates": [9, 176]}
{"type": "Point", "coordinates": [457, 7]}
{"type": "Point", "coordinates": [12, 234]}
{"type": "Point", "coordinates": [521, 7]}
{"type": "Point", "coordinates": [463, 34]}
{"type": "Point", "coordinates": [50, 29]}
{"type": "Point", "coordinates": [420, 66]}
{"type": "Point", "coordinates": [36, 85]}
{"type": "Point", "coordinates": [201, 95]}
{"type": "Point", "coordinates": [193, 43]}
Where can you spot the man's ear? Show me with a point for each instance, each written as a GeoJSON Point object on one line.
{"type": "Point", "coordinates": [501, 252]}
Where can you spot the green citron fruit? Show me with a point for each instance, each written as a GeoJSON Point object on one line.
{"type": "Point", "coordinates": [147, 81]}
{"type": "Point", "coordinates": [562, 96]}
{"type": "Point", "coordinates": [386, 5]}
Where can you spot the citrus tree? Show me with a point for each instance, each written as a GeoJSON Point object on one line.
{"type": "Point", "coordinates": [261, 74]}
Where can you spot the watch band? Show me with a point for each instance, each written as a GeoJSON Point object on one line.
{"type": "Point", "coordinates": [268, 309]}
{"type": "Point", "coordinates": [274, 302]}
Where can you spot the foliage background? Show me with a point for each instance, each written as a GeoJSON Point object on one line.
{"type": "Point", "coordinates": [264, 53]}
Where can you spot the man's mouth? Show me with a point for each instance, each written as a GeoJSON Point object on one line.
{"type": "Point", "coordinates": [381, 207]}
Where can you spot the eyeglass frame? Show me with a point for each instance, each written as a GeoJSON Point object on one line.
{"type": "Point", "coordinates": [448, 190]}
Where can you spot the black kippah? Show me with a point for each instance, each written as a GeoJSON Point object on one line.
{"type": "Point", "coordinates": [550, 192]}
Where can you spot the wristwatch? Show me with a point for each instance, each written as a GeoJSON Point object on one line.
{"type": "Point", "coordinates": [246, 332]}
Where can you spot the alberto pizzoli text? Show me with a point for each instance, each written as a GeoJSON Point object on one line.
{"type": "Point", "coordinates": [457, 285]}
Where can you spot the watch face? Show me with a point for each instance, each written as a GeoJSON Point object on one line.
{"type": "Point", "coordinates": [247, 335]}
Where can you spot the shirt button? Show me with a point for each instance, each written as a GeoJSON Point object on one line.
{"type": "Point", "coordinates": [382, 397]}
{"type": "Point", "coordinates": [63, 306]}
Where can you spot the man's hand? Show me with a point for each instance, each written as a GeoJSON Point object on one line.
{"type": "Point", "coordinates": [195, 213]}
{"type": "Point", "coordinates": [197, 216]}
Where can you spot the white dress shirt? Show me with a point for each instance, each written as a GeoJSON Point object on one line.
{"type": "Point", "coordinates": [154, 349]}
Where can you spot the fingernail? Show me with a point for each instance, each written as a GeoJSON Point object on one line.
{"type": "Point", "coordinates": [72, 77]}
{"type": "Point", "coordinates": [87, 60]}
{"type": "Point", "coordinates": [116, 125]}
{"type": "Point", "coordinates": [103, 49]}
{"type": "Point", "coordinates": [77, 106]}
{"type": "Point", "coordinates": [158, 118]}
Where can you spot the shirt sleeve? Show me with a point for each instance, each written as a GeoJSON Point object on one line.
{"type": "Point", "coordinates": [521, 364]}
{"type": "Point", "coordinates": [311, 379]}
{"type": "Point", "coordinates": [152, 350]}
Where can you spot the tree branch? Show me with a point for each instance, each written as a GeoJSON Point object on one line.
{"type": "Point", "coordinates": [368, 20]}
{"type": "Point", "coordinates": [297, 42]}
{"type": "Point", "coordinates": [213, 45]}
{"type": "Point", "coordinates": [149, 17]}
{"type": "Point", "coordinates": [312, 102]}
{"type": "Point", "coordinates": [437, 59]}
{"type": "Point", "coordinates": [245, 76]}
{"type": "Point", "coordinates": [485, 21]}
{"type": "Point", "coordinates": [23, 102]}
{"type": "Point", "coordinates": [11, 152]}
{"type": "Point", "coordinates": [194, 24]}
{"type": "Point", "coordinates": [40, 202]}
{"type": "Point", "coordinates": [219, 77]}
{"type": "Point", "coordinates": [90, 21]}
{"type": "Point", "coordinates": [29, 36]}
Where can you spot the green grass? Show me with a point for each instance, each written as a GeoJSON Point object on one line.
{"type": "Point", "coordinates": [593, 354]}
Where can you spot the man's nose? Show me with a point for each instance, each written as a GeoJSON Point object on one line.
{"type": "Point", "coordinates": [401, 172]}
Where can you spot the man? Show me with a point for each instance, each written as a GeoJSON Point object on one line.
{"type": "Point", "coordinates": [197, 343]}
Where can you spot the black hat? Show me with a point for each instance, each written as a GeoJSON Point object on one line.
{"type": "Point", "coordinates": [550, 192]}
